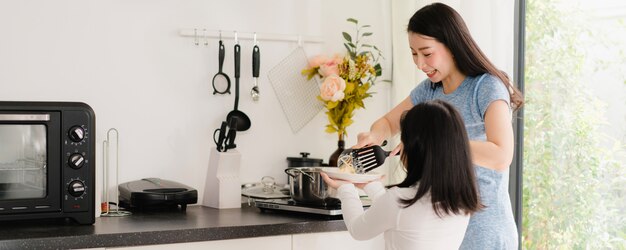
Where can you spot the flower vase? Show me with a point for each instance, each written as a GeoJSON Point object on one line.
{"type": "Point", "coordinates": [334, 157]}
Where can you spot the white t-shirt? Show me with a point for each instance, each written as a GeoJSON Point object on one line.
{"type": "Point", "coordinates": [414, 227]}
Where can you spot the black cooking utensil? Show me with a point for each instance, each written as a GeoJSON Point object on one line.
{"type": "Point", "coordinates": [222, 135]}
{"type": "Point", "coordinates": [221, 82]}
{"type": "Point", "coordinates": [367, 158]}
{"type": "Point", "coordinates": [243, 121]}
{"type": "Point", "coordinates": [232, 133]}
{"type": "Point", "coordinates": [256, 61]}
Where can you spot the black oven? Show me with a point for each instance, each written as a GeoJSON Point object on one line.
{"type": "Point", "coordinates": [47, 161]}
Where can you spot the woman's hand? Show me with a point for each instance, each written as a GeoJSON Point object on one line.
{"type": "Point", "coordinates": [365, 139]}
{"type": "Point", "coordinates": [397, 150]}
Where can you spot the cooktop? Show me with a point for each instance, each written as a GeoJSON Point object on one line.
{"type": "Point", "coordinates": [291, 205]}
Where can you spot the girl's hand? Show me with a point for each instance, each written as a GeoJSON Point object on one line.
{"type": "Point", "coordinates": [332, 182]}
{"type": "Point", "coordinates": [336, 183]}
{"type": "Point", "coordinates": [362, 185]}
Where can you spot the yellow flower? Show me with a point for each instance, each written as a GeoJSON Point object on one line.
{"type": "Point", "coordinates": [346, 79]}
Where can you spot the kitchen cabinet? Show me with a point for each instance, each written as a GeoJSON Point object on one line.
{"type": "Point", "coordinates": [313, 241]}
{"type": "Point", "coordinates": [335, 240]}
{"type": "Point", "coordinates": [197, 228]}
{"type": "Point", "coordinates": [282, 242]}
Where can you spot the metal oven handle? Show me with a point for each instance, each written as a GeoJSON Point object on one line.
{"type": "Point", "coordinates": [24, 117]}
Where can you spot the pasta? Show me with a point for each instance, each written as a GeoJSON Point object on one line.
{"type": "Point", "coordinates": [346, 164]}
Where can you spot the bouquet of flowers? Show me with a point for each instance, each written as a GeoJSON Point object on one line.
{"type": "Point", "coordinates": [346, 79]}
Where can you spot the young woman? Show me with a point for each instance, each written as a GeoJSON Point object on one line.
{"type": "Point", "coordinates": [458, 72]}
{"type": "Point", "coordinates": [431, 208]}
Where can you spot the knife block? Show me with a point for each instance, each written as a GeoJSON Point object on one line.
{"type": "Point", "coordinates": [222, 188]}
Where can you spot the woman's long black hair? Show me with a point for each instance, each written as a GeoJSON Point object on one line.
{"type": "Point", "coordinates": [443, 23]}
{"type": "Point", "coordinates": [437, 158]}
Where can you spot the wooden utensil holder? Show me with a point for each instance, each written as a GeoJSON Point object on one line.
{"type": "Point", "coordinates": [222, 188]}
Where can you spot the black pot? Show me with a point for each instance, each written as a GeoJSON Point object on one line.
{"type": "Point", "coordinates": [304, 161]}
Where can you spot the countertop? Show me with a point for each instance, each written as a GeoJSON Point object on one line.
{"type": "Point", "coordinates": [198, 223]}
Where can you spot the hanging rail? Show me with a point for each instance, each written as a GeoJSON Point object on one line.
{"type": "Point", "coordinates": [199, 33]}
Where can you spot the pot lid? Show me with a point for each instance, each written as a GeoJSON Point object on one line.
{"type": "Point", "coordinates": [304, 158]}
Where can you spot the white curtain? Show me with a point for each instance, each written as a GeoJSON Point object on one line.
{"type": "Point", "coordinates": [491, 23]}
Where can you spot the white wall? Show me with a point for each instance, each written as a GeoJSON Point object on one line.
{"type": "Point", "coordinates": [126, 59]}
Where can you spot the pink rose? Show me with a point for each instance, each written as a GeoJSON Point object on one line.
{"type": "Point", "coordinates": [329, 68]}
{"type": "Point", "coordinates": [317, 61]}
{"type": "Point", "coordinates": [332, 88]}
{"type": "Point", "coordinates": [337, 58]}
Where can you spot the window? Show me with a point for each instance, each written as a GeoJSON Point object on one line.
{"type": "Point", "coordinates": [574, 119]}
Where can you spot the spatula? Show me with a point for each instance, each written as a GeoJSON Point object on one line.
{"type": "Point", "coordinates": [367, 158]}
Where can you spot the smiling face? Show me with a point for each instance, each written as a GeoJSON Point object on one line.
{"type": "Point", "coordinates": [432, 57]}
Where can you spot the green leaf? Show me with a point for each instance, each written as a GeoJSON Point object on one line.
{"type": "Point", "coordinates": [367, 34]}
{"type": "Point", "coordinates": [366, 46]}
{"type": "Point", "coordinates": [331, 105]}
{"type": "Point", "coordinates": [352, 45]}
{"type": "Point", "coordinates": [360, 104]}
{"type": "Point", "coordinates": [352, 20]}
{"type": "Point", "coordinates": [346, 122]}
{"type": "Point", "coordinates": [347, 47]}
{"type": "Point", "coordinates": [379, 70]}
{"type": "Point", "coordinates": [349, 87]}
{"type": "Point", "coordinates": [347, 36]}
{"type": "Point", "coordinates": [330, 129]}
{"type": "Point", "coordinates": [366, 26]}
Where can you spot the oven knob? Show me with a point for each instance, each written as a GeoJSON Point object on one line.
{"type": "Point", "coordinates": [76, 188]}
{"type": "Point", "coordinates": [77, 134]}
{"type": "Point", "coordinates": [76, 161]}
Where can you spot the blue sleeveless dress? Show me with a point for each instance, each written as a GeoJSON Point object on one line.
{"type": "Point", "coordinates": [493, 227]}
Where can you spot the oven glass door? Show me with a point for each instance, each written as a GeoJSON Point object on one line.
{"type": "Point", "coordinates": [23, 164]}
{"type": "Point", "coordinates": [29, 162]}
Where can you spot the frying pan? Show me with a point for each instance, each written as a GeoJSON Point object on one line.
{"type": "Point", "coordinates": [221, 82]}
{"type": "Point", "coordinates": [243, 121]}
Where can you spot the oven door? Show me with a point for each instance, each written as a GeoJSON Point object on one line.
{"type": "Point", "coordinates": [30, 164]}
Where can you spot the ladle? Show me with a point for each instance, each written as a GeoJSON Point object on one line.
{"type": "Point", "coordinates": [243, 121]}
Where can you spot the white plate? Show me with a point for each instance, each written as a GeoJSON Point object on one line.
{"type": "Point", "coordinates": [356, 178]}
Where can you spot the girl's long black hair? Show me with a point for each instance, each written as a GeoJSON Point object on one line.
{"type": "Point", "coordinates": [437, 158]}
{"type": "Point", "coordinates": [443, 23]}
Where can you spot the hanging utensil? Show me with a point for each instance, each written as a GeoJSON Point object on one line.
{"type": "Point", "coordinates": [243, 122]}
{"type": "Point", "coordinates": [256, 61]}
{"type": "Point", "coordinates": [221, 82]}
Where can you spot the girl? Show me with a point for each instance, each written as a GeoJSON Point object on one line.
{"type": "Point", "coordinates": [431, 208]}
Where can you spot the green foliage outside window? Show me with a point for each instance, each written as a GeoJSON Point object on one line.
{"type": "Point", "coordinates": [574, 191]}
